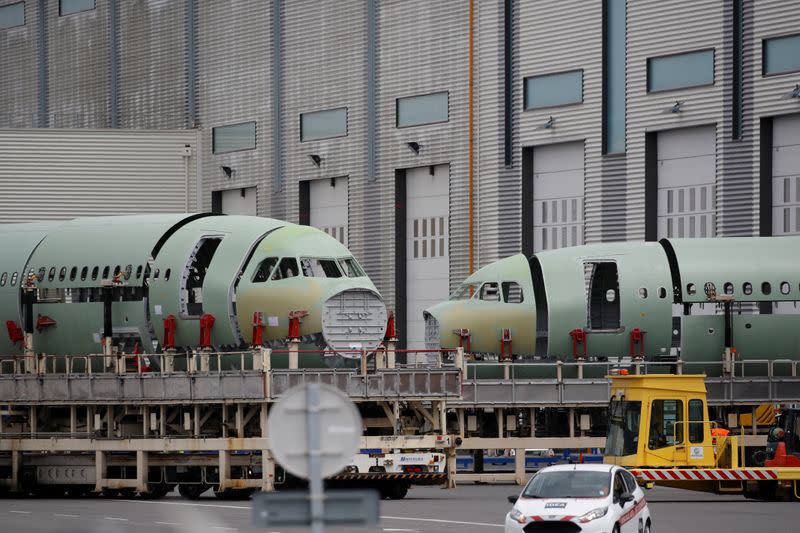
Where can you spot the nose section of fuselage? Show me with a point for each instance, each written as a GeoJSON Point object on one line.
{"type": "Point", "coordinates": [353, 319]}
{"type": "Point", "coordinates": [432, 333]}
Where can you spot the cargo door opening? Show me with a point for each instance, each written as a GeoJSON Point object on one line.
{"type": "Point", "coordinates": [194, 275]}
{"type": "Point", "coordinates": [604, 309]}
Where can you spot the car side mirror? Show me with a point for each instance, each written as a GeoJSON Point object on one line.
{"type": "Point", "coordinates": [625, 497]}
{"type": "Point", "coordinates": [513, 499]}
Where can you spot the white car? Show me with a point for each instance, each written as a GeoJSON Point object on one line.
{"type": "Point", "coordinates": [584, 498]}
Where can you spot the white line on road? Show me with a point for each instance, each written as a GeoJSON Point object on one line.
{"type": "Point", "coordinates": [66, 515]}
{"type": "Point", "coordinates": [20, 512]}
{"type": "Point", "coordinates": [412, 530]}
{"type": "Point", "coordinates": [218, 506]}
{"type": "Point", "coordinates": [166, 523]}
{"type": "Point", "coordinates": [223, 528]}
{"type": "Point", "coordinates": [116, 518]}
{"type": "Point", "coordinates": [441, 521]}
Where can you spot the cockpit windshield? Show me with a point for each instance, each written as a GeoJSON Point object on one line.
{"type": "Point", "coordinates": [351, 268]}
{"type": "Point", "coordinates": [465, 291]}
{"type": "Point", "coordinates": [623, 428]}
{"type": "Point", "coordinates": [320, 268]}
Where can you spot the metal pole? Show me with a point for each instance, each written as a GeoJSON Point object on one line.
{"type": "Point", "coordinates": [316, 493]}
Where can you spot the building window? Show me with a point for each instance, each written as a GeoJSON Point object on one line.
{"type": "Point", "coordinates": [12, 15]}
{"type": "Point", "coordinates": [614, 76]}
{"type": "Point", "coordinates": [680, 71]}
{"type": "Point", "coordinates": [419, 110]}
{"type": "Point", "coordinates": [323, 124]}
{"type": "Point", "coordinates": [68, 7]}
{"type": "Point", "coordinates": [781, 55]}
{"type": "Point", "coordinates": [548, 90]}
{"type": "Point", "coordinates": [233, 138]}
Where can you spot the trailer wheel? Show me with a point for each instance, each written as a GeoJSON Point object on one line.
{"type": "Point", "coordinates": [768, 490]}
{"type": "Point", "coordinates": [192, 491]}
{"type": "Point", "coordinates": [155, 491]}
{"type": "Point", "coordinates": [394, 491]}
{"type": "Point", "coordinates": [234, 494]}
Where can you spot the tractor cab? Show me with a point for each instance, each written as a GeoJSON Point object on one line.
{"type": "Point", "coordinates": [783, 439]}
{"type": "Point", "coordinates": [661, 421]}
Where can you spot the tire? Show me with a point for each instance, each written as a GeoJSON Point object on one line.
{"type": "Point", "coordinates": [397, 491]}
{"type": "Point", "coordinates": [234, 494]}
{"type": "Point", "coordinates": [155, 491]}
{"type": "Point", "coordinates": [192, 491]}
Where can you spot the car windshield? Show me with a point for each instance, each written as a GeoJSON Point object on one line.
{"type": "Point", "coordinates": [623, 428]}
{"type": "Point", "coordinates": [350, 268]}
{"type": "Point", "coordinates": [568, 484]}
{"type": "Point", "coordinates": [320, 268]}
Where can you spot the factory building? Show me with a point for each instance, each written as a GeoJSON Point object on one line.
{"type": "Point", "coordinates": [429, 137]}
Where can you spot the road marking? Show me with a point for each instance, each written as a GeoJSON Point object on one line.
{"type": "Point", "coordinates": [412, 530]}
{"type": "Point", "coordinates": [116, 518]}
{"type": "Point", "coordinates": [166, 523]}
{"type": "Point", "coordinates": [182, 504]}
{"type": "Point", "coordinates": [66, 515]}
{"type": "Point", "coordinates": [20, 512]}
{"type": "Point", "coordinates": [441, 521]}
{"type": "Point", "coordinates": [223, 528]}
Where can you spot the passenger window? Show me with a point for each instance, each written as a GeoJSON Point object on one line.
{"type": "Point", "coordinates": [691, 289]}
{"type": "Point", "coordinates": [747, 288]}
{"type": "Point", "coordinates": [106, 272]}
{"type": "Point", "coordinates": [489, 292]}
{"type": "Point", "coordinates": [287, 268]}
{"type": "Point", "coordinates": [662, 292]}
{"type": "Point", "coordinates": [73, 273]}
{"type": "Point", "coordinates": [95, 270]}
{"type": "Point", "coordinates": [265, 269]}
{"type": "Point", "coordinates": [167, 274]}
{"type": "Point", "coordinates": [728, 288]}
{"type": "Point", "coordinates": [138, 271]}
{"type": "Point", "coordinates": [3, 279]}
{"type": "Point", "coordinates": [320, 268]}
{"type": "Point", "coordinates": [84, 272]}
{"type": "Point", "coordinates": [62, 275]}
{"type": "Point", "coordinates": [512, 292]}
{"type": "Point", "coordinates": [785, 287]}
{"type": "Point", "coordinates": [666, 424]}
{"type": "Point", "coordinates": [128, 272]}
{"type": "Point", "coordinates": [766, 288]}
{"type": "Point", "coordinates": [696, 421]}
{"type": "Point", "coordinates": [604, 306]}
{"type": "Point", "coordinates": [350, 268]}
{"type": "Point", "coordinates": [40, 276]}
{"type": "Point", "coordinates": [642, 293]}
{"type": "Point", "coordinates": [156, 273]}
{"type": "Point", "coordinates": [13, 279]}
{"type": "Point", "coordinates": [52, 274]}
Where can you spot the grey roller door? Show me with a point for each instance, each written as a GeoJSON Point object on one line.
{"type": "Point", "coordinates": [558, 188]}
{"type": "Point", "coordinates": [328, 202]}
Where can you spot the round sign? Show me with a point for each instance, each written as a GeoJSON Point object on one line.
{"type": "Point", "coordinates": [291, 427]}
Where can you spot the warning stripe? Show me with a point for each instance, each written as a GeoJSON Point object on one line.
{"type": "Point", "coordinates": [663, 474]}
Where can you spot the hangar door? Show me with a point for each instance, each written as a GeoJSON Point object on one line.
{"type": "Point", "coordinates": [786, 185]}
{"type": "Point", "coordinates": [427, 246]}
{"type": "Point", "coordinates": [557, 196]}
{"type": "Point", "coordinates": [235, 201]}
{"type": "Point", "coordinates": [328, 206]}
{"type": "Point", "coordinates": [686, 178]}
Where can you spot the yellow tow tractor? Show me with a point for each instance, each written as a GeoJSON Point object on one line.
{"type": "Point", "coordinates": [660, 431]}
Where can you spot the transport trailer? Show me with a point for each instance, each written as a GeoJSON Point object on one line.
{"type": "Point", "coordinates": [659, 429]}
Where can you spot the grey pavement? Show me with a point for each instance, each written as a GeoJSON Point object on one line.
{"type": "Point", "coordinates": [467, 509]}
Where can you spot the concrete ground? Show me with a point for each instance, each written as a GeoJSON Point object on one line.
{"type": "Point", "coordinates": [467, 509]}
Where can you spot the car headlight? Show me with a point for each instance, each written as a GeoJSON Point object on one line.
{"type": "Point", "coordinates": [517, 516]}
{"type": "Point", "coordinates": [594, 514]}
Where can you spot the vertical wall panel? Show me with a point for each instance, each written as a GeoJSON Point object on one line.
{"type": "Point", "coordinates": [78, 80]}
{"type": "Point", "coordinates": [152, 61]}
{"type": "Point", "coordinates": [18, 65]}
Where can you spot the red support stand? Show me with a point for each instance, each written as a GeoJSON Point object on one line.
{"type": "Point", "coordinates": [464, 339]}
{"type": "Point", "coordinates": [391, 330]}
{"type": "Point", "coordinates": [206, 323]}
{"type": "Point", "coordinates": [294, 323]}
{"type": "Point", "coordinates": [258, 328]}
{"type": "Point", "coordinates": [43, 322]}
{"type": "Point", "coordinates": [637, 342]}
{"type": "Point", "coordinates": [15, 333]}
{"type": "Point", "coordinates": [578, 337]}
{"type": "Point", "coordinates": [505, 340]}
{"type": "Point", "coordinates": [170, 325]}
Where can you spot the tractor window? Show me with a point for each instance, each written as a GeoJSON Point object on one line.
{"type": "Point", "coordinates": [623, 428]}
{"type": "Point", "coordinates": [604, 312]}
{"type": "Point", "coordinates": [265, 269]}
{"type": "Point", "coordinates": [512, 292]}
{"type": "Point", "coordinates": [287, 268]}
{"type": "Point", "coordinates": [696, 412]}
{"type": "Point", "coordinates": [489, 292]}
{"type": "Point", "coordinates": [195, 273]}
{"type": "Point", "coordinates": [666, 424]}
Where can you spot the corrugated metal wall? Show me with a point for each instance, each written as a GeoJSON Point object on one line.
{"type": "Point", "coordinates": [421, 47]}
{"type": "Point", "coordinates": [54, 174]}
